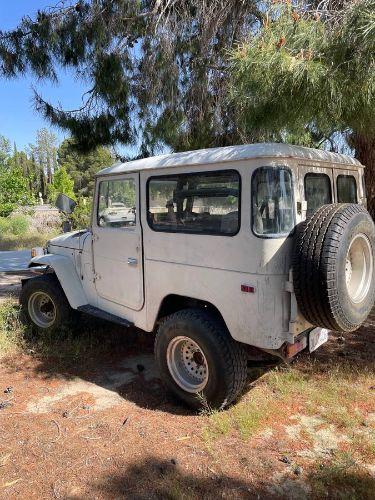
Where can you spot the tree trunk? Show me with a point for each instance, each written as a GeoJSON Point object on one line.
{"type": "Point", "coordinates": [365, 153]}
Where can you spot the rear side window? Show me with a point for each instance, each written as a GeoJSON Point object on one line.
{"type": "Point", "coordinates": [317, 191]}
{"type": "Point", "coordinates": [346, 189]}
{"type": "Point", "coordinates": [202, 203]}
{"type": "Point", "coordinates": [272, 202]}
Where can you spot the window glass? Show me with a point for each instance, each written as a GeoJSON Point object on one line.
{"type": "Point", "coordinates": [317, 191]}
{"type": "Point", "coordinates": [346, 189]}
{"type": "Point", "coordinates": [206, 203]}
{"type": "Point", "coordinates": [117, 203]}
{"type": "Point", "coordinates": [272, 201]}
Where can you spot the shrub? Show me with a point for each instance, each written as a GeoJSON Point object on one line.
{"type": "Point", "coordinates": [4, 225]}
{"type": "Point", "coordinates": [6, 209]}
{"type": "Point", "coordinates": [11, 329]}
{"type": "Point", "coordinates": [82, 214]}
{"type": "Point", "coordinates": [19, 225]}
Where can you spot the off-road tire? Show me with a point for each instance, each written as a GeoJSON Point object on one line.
{"type": "Point", "coordinates": [226, 359]}
{"type": "Point", "coordinates": [319, 272]}
{"type": "Point", "coordinates": [49, 285]}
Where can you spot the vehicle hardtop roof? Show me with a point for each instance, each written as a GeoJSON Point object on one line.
{"type": "Point", "coordinates": [231, 154]}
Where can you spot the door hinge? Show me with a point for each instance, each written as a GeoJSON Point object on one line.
{"type": "Point", "coordinates": [97, 277]}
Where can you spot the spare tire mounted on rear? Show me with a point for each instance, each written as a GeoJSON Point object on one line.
{"type": "Point", "coordinates": [333, 267]}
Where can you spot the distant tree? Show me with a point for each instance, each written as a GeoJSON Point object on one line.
{"type": "Point", "coordinates": [155, 70]}
{"type": "Point", "coordinates": [62, 184]}
{"type": "Point", "coordinates": [4, 150]}
{"type": "Point", "coordinates": [20, 160]}
{"type": "Point", "coordinates": [312, 70]}
{"type": "Point", "coordinates": [82, 167]}
{"type": "Point", "coordinates": [43, 155]}
{"type": "Point", "coordinates": [13, 191]}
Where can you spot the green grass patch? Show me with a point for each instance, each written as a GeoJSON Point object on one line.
{"type": "Point", "coordinates": [11, 328]}
{"type": "Point", "coordinates": [335, 393]}
{"type": "Point", "coordinates": [82, 344]}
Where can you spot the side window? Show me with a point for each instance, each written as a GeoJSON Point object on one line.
{"type": "Point", "coordinates": [346, 189]}
{"type": "Point", "coordinates": [117, 203]}
{"type": "Point", "coordinates": [272, 202]}
{"type": "Point", "coordinates": [317, 191]}
{"type": "Point", "coordinates": [202, 203]}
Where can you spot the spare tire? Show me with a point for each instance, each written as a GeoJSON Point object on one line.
{"type": "Point", "coordinates": [333, 267]}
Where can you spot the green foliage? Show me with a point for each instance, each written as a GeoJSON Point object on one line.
{"type": "Point", "coordinates": [11, 328]}
{"type": "Point", "coordinates": [62, 184]}
{"type": "Point", "coordinates": [43, 156]}
{"type": "Point", "coordinates": [13, 190]}
{"type": "Point", "coordinates": [4, 150]}
{"type": "Point", "coordinates": [4, 225]}
{"type": "Point", "coordinates": [81, 217]}
{"type": "Point", "coordinates": [308, 70]}
{"type": "Point", "coordinates": [17, 225]}
{"type": "Point", "coordinates": [83, 167]}
{"type": "Point", "coordinates": [155, 70]}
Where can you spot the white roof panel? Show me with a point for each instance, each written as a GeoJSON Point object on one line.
{"type": "Point", "coordinates": [230, 154]}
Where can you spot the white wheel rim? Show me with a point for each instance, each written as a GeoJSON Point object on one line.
{"type": "Point", "coordinates": [187, 364]}
{"type": "Point", "coordinates": [42, 309]}
{"type": "Point", "coordinates": [359, 268]}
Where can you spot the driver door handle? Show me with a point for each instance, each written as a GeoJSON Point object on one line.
{"type": "Point", "coordinates": [132, 261]}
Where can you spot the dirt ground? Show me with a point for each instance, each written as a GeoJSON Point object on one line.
{"type": "Point", "coordinates": [107, 429]}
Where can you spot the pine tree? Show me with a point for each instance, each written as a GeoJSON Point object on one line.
{"type": "Point", "coordinates": [156, 69]}
{"type": "Point", "coordinates": [312, 70]}
{"type": "Point", "coordinates": [83, 167]}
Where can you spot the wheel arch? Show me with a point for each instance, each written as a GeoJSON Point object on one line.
{"type": "Point", "coordinates": [67, 276]}
{"type": "Point", "coordinates": [173, 303]}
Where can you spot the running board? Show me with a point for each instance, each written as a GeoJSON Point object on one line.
{"type": "Point", "coordinates": [99, 313]}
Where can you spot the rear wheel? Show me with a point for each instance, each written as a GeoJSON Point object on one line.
{"type": "Point", "coordinates": [198, 360]}
{"type": "Point", "coordinates": [43, 303]}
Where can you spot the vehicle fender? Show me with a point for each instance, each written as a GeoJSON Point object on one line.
{"type": "Point", "coordinates": [66, 273]}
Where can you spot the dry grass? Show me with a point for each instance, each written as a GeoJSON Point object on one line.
{"type": "Point", "coordinates": [70, 346]}
{"type": "Point", "coordinates": [343, 477]}
{"type": "Point", "coordinates": [26, 241]}
{"type": "Point", "coordinates": [337, 394]}
{"type": "Point", "coordinates": [11, 329]}
{"type": "Point", "coordinates": [340, 396]}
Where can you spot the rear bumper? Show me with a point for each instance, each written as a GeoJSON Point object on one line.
{"type": "Point", "coordinates": [310, 339]}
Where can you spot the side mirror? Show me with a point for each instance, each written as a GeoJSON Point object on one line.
{"type": "Point", "coordinates": [65, 204]}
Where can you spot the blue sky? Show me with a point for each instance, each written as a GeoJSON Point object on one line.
{"type": "Point", "coordinates": [18, 120]}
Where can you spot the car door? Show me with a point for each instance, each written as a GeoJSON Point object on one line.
{"type": "Point", "coordinates": [117, 241]}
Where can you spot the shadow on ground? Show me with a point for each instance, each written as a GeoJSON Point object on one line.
{"type": "Point", "coordinates": [111, 362]}
{"type": "Point", "coordinates": [154, 478]}
{"type": "Point", "coordinates": [159, 479]}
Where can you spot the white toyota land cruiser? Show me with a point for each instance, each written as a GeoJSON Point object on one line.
{"type": "Point", "coordinates": [264, 245]}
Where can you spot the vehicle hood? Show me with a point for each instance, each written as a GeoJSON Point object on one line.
{"type": "Point", "coordinates": [73, 240]}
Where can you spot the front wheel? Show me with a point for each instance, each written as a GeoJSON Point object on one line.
{"type": "Point", "coordinates": [198, 360]}
{"type": "Point", "coordinates": [43, 303]}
